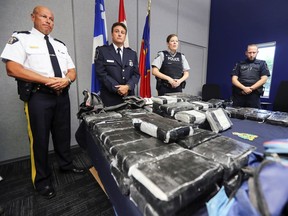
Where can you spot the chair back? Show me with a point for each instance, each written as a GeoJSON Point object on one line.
{"type": "Point", "coordinates": [211, 91]}
{"type": "Point", "coordinates": [280, 101]}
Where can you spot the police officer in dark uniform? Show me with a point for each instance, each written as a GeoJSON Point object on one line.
{"type": "Point", "coordinates": [116, 68]}
{"type": "Point", "coordinates": [29, 58]}
{"type": "Point", "coordinates": [248, 78]}
{"type": "Point", "coordinates": [170, 68]}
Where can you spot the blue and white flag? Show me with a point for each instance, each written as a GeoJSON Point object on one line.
{"type": "Point", "coordinates": [100, 38]}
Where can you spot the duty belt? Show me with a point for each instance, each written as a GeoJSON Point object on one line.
{"type": "Point", "coordinates": [44, 89]}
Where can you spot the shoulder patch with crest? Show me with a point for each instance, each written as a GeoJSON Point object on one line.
{"type": "Point", "coordinates": [12, 40]}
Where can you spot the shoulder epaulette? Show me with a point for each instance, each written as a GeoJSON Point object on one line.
{"type": "Point", "coordinates": [60, 41]}
{"type": "Point", "coordinates": [129, 48]}
{"type": "Point", "coordinates": [99, 47]}
{"type": "Point", "coordinates": [22, 32]}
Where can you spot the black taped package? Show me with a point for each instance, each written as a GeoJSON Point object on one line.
{"type": "Point", "coordinates": [171, 109]}
{"type": "Point", "coordinates": [122, 180]}
{"type": "Point", "coordinates": [191, 116]}
{"type": "Point", "coordinates": [218, 119]}
{"type": "Point", "coordinates": [91, 119]}
{"type": "Point", "coordinates": [135, 112]}
{"type": "Point", "coordinates": [184, 96]}
{"type": "Point", "coordinates": [230, 153]}
{"type": "Point", "coordinates": [238, 112]}
{"type": "Point", "coordinates": [278, 118]}
{"type": "Point", "coordinates": [167, 130]}
{"type": "Point", "coordinates": [141, 202]}
{"type": "Point", "coordinates": [143, 151]}
{"type": "Point", "coordinates": [259, 115]}
{"type": "Point", "coordinates": [248, 113]}
{"type": "Point", "coordinates": [165, 99]}
{"type": "Point", "coordinates": [216, 103]}
{"type": "Point", "coordinates": [174, 182]}
{"type": "Point", "coordinates": [205, 105]}
{"type": "Point", "coordinates": [199, 136]}
{"type": "Point", "coordinates": [112, 139]}
{"type": "Point", "coordinates": [102, 127]}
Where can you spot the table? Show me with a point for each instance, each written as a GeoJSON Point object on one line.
{"type": "Point", "coordinates": [122, 204]}
{"type": "Point", "coordinates": [264, 131]}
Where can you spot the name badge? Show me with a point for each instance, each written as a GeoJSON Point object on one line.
{"type": "Point", "coordinates": [110, 61]}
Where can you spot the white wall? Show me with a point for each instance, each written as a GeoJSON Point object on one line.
{"type": "Point", "coordinates": [74, 22]}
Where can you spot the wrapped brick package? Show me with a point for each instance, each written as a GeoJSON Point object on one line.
{"type": "Point", "coordinates": [184, 96]}
{"type": "Point", "coordinates": [171, 109]}
{"type": "Point", "coordinates": [171, 183]}
{"type": "Point", "coordinates": [191, 116]}
{"type": "Point", "coordinates": [232, 154]}
{"type": "Point", "coordinates": [278, 118]}
{"type": "Point", "coordinates": [165, 99]}
{"type": "Point", "coordinates": [95, 118]}
{"type": "Point", "coordinates": [199, 136]}
{"type": "Point", "coordinates": [204, 104]}
{"type": "Point", "coordinates": [167, 130]}
{"type": "Point", "coordinates": [216, 103]}
{"type": "Point", "coordinates": [218, 119]}
{"type": "Point", "coordinates": [259, 115]}
{"type": "Point", "coordinates": [113, 139]}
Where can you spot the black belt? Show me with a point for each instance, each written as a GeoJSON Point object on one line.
{"type": "Point", "coordinates": [44, 89]}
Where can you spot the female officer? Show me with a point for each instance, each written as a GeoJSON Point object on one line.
{"type": "Point", "coordinates": [170, 68]}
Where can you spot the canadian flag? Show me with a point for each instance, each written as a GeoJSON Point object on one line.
{"type": "Point", "coordinates": [122, 19]}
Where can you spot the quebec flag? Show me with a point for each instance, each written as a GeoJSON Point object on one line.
{"type": "Point", "coordinates": [100, 38]}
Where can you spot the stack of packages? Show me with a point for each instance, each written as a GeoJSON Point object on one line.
{"type": "Point", "coordinates": [249, 113]}
{"type": "Point", "coordinates": [162, 164]}
{"type": "Point", "coordinates": [191, 110]}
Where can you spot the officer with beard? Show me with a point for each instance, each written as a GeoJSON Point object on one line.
{"type": "Point", "coordinates": [248, 78]}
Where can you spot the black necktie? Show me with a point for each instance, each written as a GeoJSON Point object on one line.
{"type": "Point", "coordinates": [54, 60]}
{"type": "Point", "coordinates": [119, 54]}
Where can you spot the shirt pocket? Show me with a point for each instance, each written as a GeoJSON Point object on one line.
{"type": "Point", "coordinates": [62, 56]}
{"type": "Point", "coordinates": [36, 58]}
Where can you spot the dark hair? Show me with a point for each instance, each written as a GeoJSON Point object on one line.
{"type": "Point", "coordinates": [118, 24]}
{"type": "Point", "coordinates": [170, 36]}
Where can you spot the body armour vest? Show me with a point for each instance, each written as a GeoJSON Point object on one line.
{"type": "Point", "coordinates": [249, 72]}
{"type": "Point", "coordinates": [172, 66]}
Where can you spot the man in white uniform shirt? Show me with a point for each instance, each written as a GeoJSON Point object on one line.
{"type": "Point", "coordinates": [45, 95]}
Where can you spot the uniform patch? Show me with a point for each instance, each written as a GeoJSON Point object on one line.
{"type": "Point", "coordinates": [130, 63]}
{"type": "Point", "coordinates": [13, 40]}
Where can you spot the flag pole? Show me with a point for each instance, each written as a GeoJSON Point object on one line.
{"type": "Point", "coordinates": [144, 59]}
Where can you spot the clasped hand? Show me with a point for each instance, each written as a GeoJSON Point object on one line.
{"type": "Point", "coordinates": [122, 90]}
{"type": "Point", "coordinates": [174, 82]}
{"type": "Point", "coordinates": [247, 90]}
{"type": "Point", "coordinates": [57, 83]}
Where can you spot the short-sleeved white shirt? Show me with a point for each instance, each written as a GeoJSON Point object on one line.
{"type": "Point", "coordinates": [157, 62]}
{"type": "Point", "coordinates": [30, 50]}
